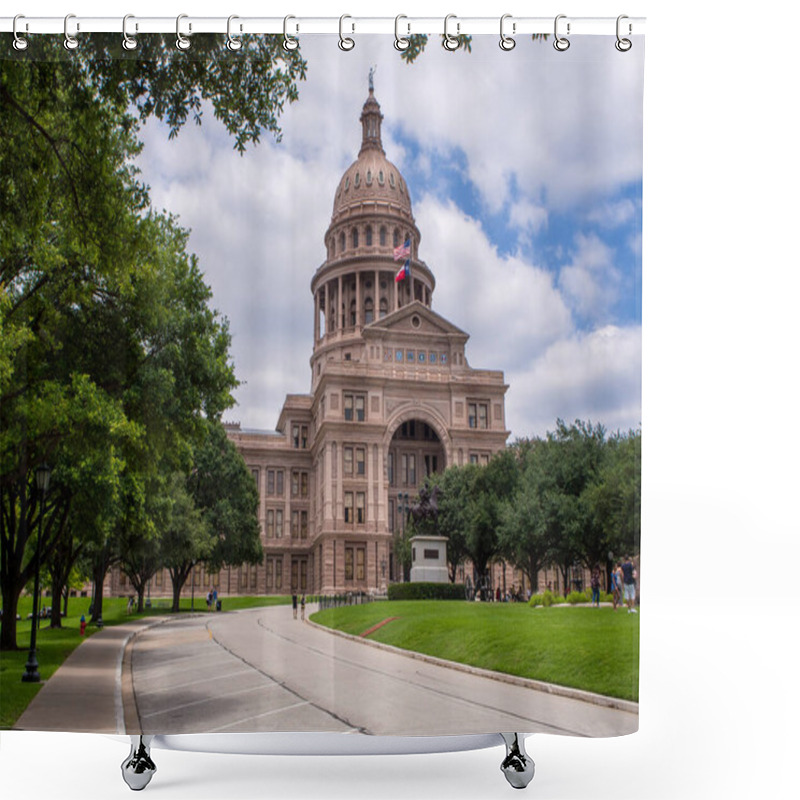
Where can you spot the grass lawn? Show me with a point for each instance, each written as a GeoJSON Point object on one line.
{"type": "Point", "coordinates": [54, 645]}
{"type": "Point", "coordinates": [585, 648]}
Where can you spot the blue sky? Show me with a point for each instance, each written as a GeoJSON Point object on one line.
{"type": "Point", "coordinates": [525, 173]}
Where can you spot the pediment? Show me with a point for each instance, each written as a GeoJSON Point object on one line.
{"type": "Point", "coordinates": [414, 319]}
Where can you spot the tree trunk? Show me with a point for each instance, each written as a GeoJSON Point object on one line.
{"type": "Point", "coordinates": [140, 599]}
{"type": "Point", "coordinates": [55, 613]}
{"type": "Point", "coordinates": [98, 579]}
{"type": "Point", "coordinates": [8, 628]}
{"type": "Point", "coordinates": [66, 599]}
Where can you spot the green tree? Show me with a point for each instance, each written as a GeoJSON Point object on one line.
{"type": "Point", "coordinates": [224, 492]}
{"type": "Point", "coordinates": [185, 536]}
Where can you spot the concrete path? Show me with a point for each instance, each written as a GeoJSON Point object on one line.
{"type": "Point", "coordinates": [260, 670]}
{"type": "Point", "coordinates": [84, 695]}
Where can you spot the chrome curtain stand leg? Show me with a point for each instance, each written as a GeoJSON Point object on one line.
{"type": "Point", "coordinates": [517, 766]}
{"type": "Point", "coordinates": [138, 768]}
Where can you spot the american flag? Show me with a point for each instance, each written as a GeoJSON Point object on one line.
{"type": "Point", "coordinates": [403, 251]}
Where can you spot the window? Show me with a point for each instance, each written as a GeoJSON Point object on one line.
{"type": "Point", "coordinates": [430, 465]}
{"type": "Point", "coordinates": [361, 464]}
{"type": "Point", "coordinates": [369, 311]}
{"type": "Point", "coordinates": [270, 524]}
{"type": "Point", "coordinates": [303, 575]}
{"type": "Point", "coordinates": [410, 356]}
{"type": "Point", "coordinates": [443, 358]}
{"type": "Point", "coordinates": [299, 484]}
{"type": "Point", "coordinates": [299, 438]}
{"type": "Point", "coordinates": [384, 310]}
{"type": "Point", "coordinates": [278, 573]}
{"type": "Point", "coordinates": [254, 473]}
{"type": "Point", "coordinates": [341, 242]}
{"type": "Point", "coordinates": [304, 524]}
{"type": "Point", "coordinates": [390, 467]}
{"type": "Point", "coordinates": [295, 524]}
{"type": "Point", "coordinates": [473, 458]}
{"type": "Point", "coordinates": [361, 499]}
{"type": "Point", "coordinates": [355, 237]}
{"type": "Point", "coordinates": [348, 506]}
{"type": "Point", "coordinates": [275, 482]}
{"type": "Point", "coordinates": [412, 470]}
{"type": "Point", "coordinates": [355, 407]}
{"type": "Point", "coordinates": [382, 236]}
{"type": "Point", "coordinates": [270, 572]}
{"type": "Point", "coordinates": [432, 358]}
{"type": "Point", "coordinates": [398, 355]}
{"type": "Point", "coordinates": [395, 236]}
{"type": "Point", "coordinates": [368, 236]}
{"type": "Point", "coordinates": [352, 314]}
{"type": "Point", "coordinates": [478, 415]}
{"type": "Point", "coordinates": [279, 524]}
{"type": "Point", "coordinates": [348, 563]}
{"type": "Point", "coordinates": [347, 454]}
{"type": "Point", "coordinates": [360, 563]}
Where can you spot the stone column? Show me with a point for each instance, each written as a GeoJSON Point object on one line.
{"type": "Point", "coordinates": [359, 315]}
{"type": "Point", "coordinates": [327, 308]}
{"type": "Point", "coordinates": [316, 317]}
{"type": "Point", "coordinates": [340, 312]}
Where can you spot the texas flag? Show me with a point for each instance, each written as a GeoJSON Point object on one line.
{"type": "Point", "coordinates": [404, 271]}
{"type": "Point", "coordinates": [404, 251]}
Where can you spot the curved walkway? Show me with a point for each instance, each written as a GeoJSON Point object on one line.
{"type": "Point", "coordinates": [261, 670]}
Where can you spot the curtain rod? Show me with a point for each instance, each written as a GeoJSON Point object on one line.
{"type": "Point", "coordinates": [296, 26]}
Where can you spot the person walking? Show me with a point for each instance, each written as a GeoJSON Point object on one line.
{"type": "Point", "coordinates": [629, 584]}
{"type": "Point", "coordinates": [214, 600]}
{"type": "Point", "coordinates": [302, 608]}
{"type": "Point", "coordinates": [616, 585]}
{"type": "Point", "coordinates": [595, 583]}
{"type": "Point", "coordinates": [294, 605]}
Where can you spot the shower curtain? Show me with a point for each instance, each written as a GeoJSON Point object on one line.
{"type": "Point", "coordinates": [320, 385]}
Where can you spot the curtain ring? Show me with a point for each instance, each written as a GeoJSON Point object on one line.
{"type": "Point", "coordinates": [289, 42]}
{"type": "Point", "coordinates": [233, 43]}
{"type": "Point", "coordinates": [506, 42]}
{"type": "Point", "coordinates": [20, 42]}
{"type": "Point", "coordinates": [623, 45]}
{"type": "Point", "coordinates": [181, 41]}
{"type": "Point", "coordinates": [70, 42]}
{"type": "Point", "coordinates": [401, 42]}
{"type": "Point", "coordinates": [128, 42]}
{"type": "Point", "coordinates": [345, 43]}
{"type": "Point", "coordinates": [561, 43]}
{"type": "Point", "coordinates": [450, 42]}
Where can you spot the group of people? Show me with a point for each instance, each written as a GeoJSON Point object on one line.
{"type": "Point", "coordinates": [302, 606]}
{"type": "Point", "coordinates": [212, 600]}
{"type": "Point", "coordinates": [512, 595]}
{"type": "Point", "coordinates": [623, 585]}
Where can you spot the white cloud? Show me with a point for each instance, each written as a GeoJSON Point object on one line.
{"type": "Point", "coordinates": [613, 214]}
{"type": "Point", "coordinates": [596, 376]}
{"type": "Point", "coordinates": [590, 281]}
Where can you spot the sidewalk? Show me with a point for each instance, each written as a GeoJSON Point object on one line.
{"type": "Point", "coordinates": [84, 694]}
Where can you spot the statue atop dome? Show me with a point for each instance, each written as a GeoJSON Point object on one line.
{"type": "Point", "coordinates": [372, 70]}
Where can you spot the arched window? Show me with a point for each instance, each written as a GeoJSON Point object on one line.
{"type": "Point", "coordinates": [352, 312]}
{"type": "Point", "coordinates": [333, 246]}
{"type": "Point", "coordinates": [369, 311]}
{"type": "Point", "coordinates": [341, 242]}
{"type": "Point", "coordinates": [395, 238]}
{"type": "Point", "coordinates": [355, 237]}
{"type": "Point", "coordinates": [384, 307]}
{"type": "Point", "coordinates": [368, 236]}
{"type": "Point", "coordinates": [382, 236]}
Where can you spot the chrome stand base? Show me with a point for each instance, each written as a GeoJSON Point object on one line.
{"type": "Point", "coordinates": [517, 766]}
{"type": "Point", "coordinates": [138, 768]}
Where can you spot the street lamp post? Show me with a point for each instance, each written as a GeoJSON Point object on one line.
{"type": "Point", "coordinates": [31, 674]}
{"type": "Point", "coordinates": [402, 507]}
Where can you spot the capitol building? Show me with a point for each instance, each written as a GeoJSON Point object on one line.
{"type": "Point", "coordinates": [393, 399]}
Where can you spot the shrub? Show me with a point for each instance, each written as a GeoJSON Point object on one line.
{"type": "Point", "coordinates": [421, 590]}
{"type": "Point", "coordinates": [536, 600]}
{"type": "Point", "coordinates": [576, 597]}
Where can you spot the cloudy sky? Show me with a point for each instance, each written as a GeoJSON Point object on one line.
{"type": "Point", "coordinates": [525, 172]}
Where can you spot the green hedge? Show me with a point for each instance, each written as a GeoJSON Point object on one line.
{"type": "Point", "coordinates": [549, 599]}
{"type": "Point", "coordinates": [421, 590]}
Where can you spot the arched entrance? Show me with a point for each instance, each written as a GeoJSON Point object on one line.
{"type": "Point", "coordinates": [415, 452]}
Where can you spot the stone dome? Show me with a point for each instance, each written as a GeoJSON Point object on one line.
{"type": "Point", "coordinates": [372, 178]}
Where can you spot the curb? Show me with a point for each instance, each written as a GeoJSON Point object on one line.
{"type": "Point", "coordinates": [628, 706]}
